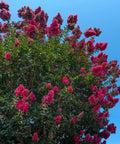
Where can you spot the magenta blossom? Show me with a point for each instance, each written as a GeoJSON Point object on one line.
{"type": "Point", "coordinates": [48, 85]}
{"type": "Point", "coordinates": [35, 137]}
{"type": "Point", "coordinates": [89, 33]}
{"type": "Point", "coordinates": [4, 14]}
{"type": "Point", "coordinates": [57, 118]}
{"type": "Point", "coordinates": [8, 56]}
{"type": "Point", "coordinates": [32, 97]}
{"type": "Point", "coordinates": [70, 89]}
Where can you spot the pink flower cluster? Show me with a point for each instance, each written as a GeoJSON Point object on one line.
{"type": "Point", "coordinates": [48, 85]}
{"type": "Point", "coordinates": [4, 5]}
{"type": "Point", "coordinates": [70, 89]}
{"type": "Point", "coordinates": [65, 81]}
{"type": "Point", "coordinates": [111, 128]}
{"type": "Point", "coordinates": [41, 19]}
{"type": "Point", "coordinates": [26, 13]}
{"type": "Point", "coordinates": [95, 139]}
{"type": "Point", "coordinates": [100, 70]}
{"type": "Point", "coordinates": [8, 56]}
{"type": "Point", "coordinates": [4, 27]}
{"type": "Point", "coordinates": [93, 100]}
{"type": "Point", "coordinates": [38, 22]}
{"type": "Point", "coordinates": [53, 29]}
{"type": "Point", "coordinates": [97, 71]}
{"type": "Point", "coordinates": [21, 91]}
{"type": "Point", "coordinates": [73, 120]}
{"type": "Point", "coordinates": [32, 97]}
{"type": "Point", "coordinates": [22, 104]}
{"type": "Point", "coordinates": [101, 58]}
{"type": "Point", "coordinates": [4, 13]}
{"type": "Point", "coordinates": [101, 46]}
{"type": "Point", "coordinates": [89, 32]}
{"type": "Point", "coordinates": [55, 89]}
{"type": "Point", "coordinates": [77, 32]}
{"type": "Point", "coordinates": [57, 119]}
{"type": "Point", "coordinates": [90, 46]}
{"type": "Point", "coordinates": [102, 115]}
{"type": "Point", "coordinates": [48, 99]}
{"type": "Point", "coordinates": [35, 137]}
{"type": "Point", "coordinates": [96, 108]}
{"type": "Point", "coordinates": [59, 18]}
{"type": "Point", "coordinates": [72, 20]}
{"type": "Point", "coordinates": [105, 134]}
{"type": "Point", "coordinates": [100, 96]}
{"type": "Point", "coordinates": [30, 30]}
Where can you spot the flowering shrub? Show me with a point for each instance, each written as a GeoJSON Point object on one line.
{"type": "Point", "coordinates": [52, 87]}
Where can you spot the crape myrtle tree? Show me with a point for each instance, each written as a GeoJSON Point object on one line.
{"type": "Point", "coordinates": [53, 90]}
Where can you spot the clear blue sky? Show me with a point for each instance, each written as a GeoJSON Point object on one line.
{"type": "Point", "coordinates": [104, 14]}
